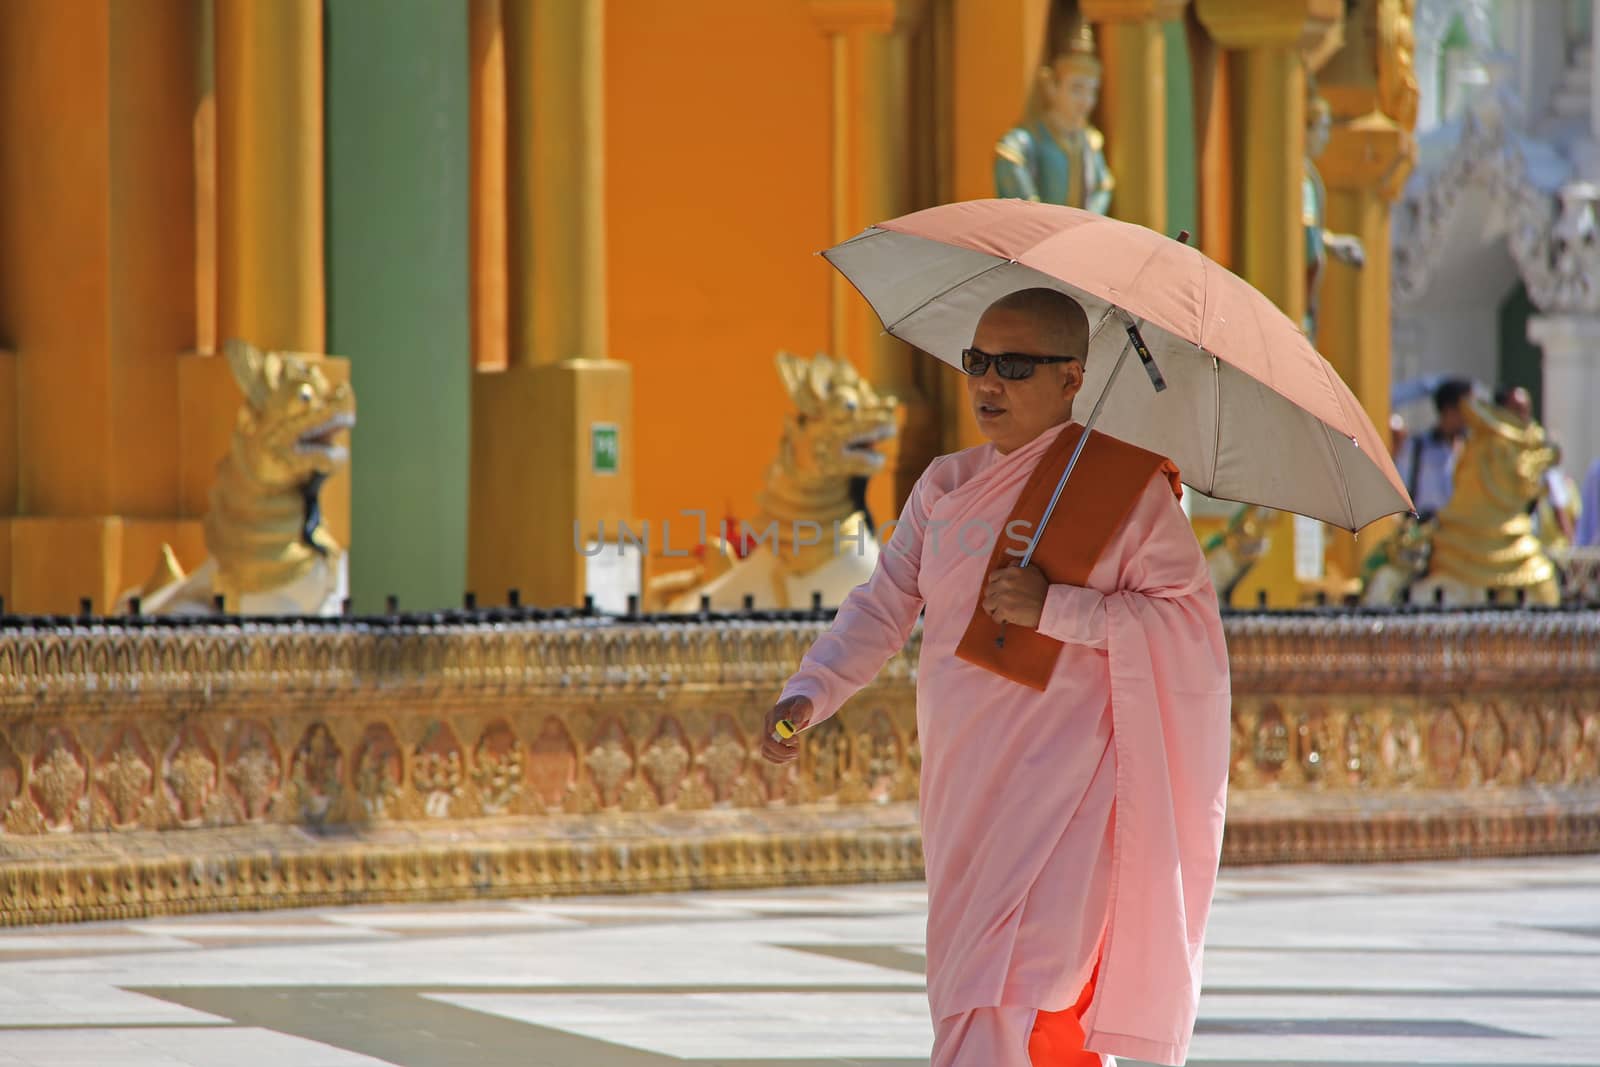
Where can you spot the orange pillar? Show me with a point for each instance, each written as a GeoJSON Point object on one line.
{"type": "Point", "coordinates": [97, 294]}
{"type": "Point", "coordinates": [871, 182]}
{"type": "Point", "coordinates": [1373, 93]}
{"type": "Point", "coordinates": [998, 46]}
{"type": "Point", "coordinates": [488, 208]}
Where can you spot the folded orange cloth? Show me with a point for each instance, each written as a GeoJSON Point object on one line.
{"type": "Point", "coordinates": [1105, 485]}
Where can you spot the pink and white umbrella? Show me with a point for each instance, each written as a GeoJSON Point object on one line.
{"type": "Point", "coordinates": [1249, 410]}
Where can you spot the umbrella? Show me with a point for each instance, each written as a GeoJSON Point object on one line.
{"type": "Point", "coordinates": [1233, 393]}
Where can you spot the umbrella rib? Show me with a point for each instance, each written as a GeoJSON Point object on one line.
{"type": "Point", "coordinates": [1216, 440]}
{"type": "Point", "coordinates": [946, 292]}
{"type": "Point", "coordinates": [1344, 479]}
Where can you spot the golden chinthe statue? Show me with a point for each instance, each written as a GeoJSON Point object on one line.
{"type": "Point", "coordinates": [269, 553]}
{"type": "Point", "coordinates": [1484, 542]}
{"type": "Point", "coordinates": [1053, 155]}
{"type": "Point", "coordinates": [812, 535]}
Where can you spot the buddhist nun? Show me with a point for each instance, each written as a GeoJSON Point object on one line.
{"type": "Point", "coordinates": [1073, 717]}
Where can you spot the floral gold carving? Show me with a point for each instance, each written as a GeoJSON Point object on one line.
{"type": "Point", "coordinates": [125, 778]}
{"type": "Point", "coordinates": [10, 775]}
{"type": "Point", "coordinates": [191, 774]}
{"type": "Point", "coordinates": [748, 792]}
{"type": "Point", "coordinates": [879, 745]}
{"type": "Point", "coordinates": [498, 768]}
{"type": "Point", "coordinates": [1272, 744]}
{"type": "Point", "coordinates": [377, 770]}
{"type": "Point", "coordinates": [584, 799]}
{"type": "Point", "coordinates": [253, 772]}
{"type": "Point", "coordinates": [1446, 746]}
{"type": "Point", "coordinates": [58, 780]}
{"type": "Point", "coordinates": [1488, 742]}
{"type": "Point", "coordinates": [723, 759]}
{"type": "Point", "coordinates": [665, 761]}
{"type": "Point", "coordinates": [638, 796]}
{"type": "Point", "coordinates": [437, 770]}
{"type": "Point", "coordinates": [695, 795]}
{"type": "Point", "coordinates": [1402, 749]}
{"type": "Point", "coordinates": [314, 771]}
{"type": "Point", "coordinates": [609, 764]}
{"type": "Point", "coordinates": [23, 818]}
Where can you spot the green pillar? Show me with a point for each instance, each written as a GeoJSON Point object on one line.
{"type": "Point", "coordinates": [1183, 170]}
{"type": "Point", "coordinates": [397, 270]}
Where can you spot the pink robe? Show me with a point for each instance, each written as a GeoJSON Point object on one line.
{"type": "Point", "coordinates": [1030, 878]}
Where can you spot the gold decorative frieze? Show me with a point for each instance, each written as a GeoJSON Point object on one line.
{"type": "Point", "coordinates": [1354, 736]}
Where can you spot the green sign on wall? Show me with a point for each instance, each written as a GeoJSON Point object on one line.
{"type": "Point", "coordinates": [603, 447]}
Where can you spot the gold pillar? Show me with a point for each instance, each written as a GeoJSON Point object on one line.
{"type": "Point", "coordinates": [536, 486]}
{"type": "Point", "coordinates": [1266, 42]}
{"type": "Point", "coordinates": [870, 183]}
{"type": "Point", "coordinates": [1134, 102]}
{"type": "Point", "coordinates": [1372, 92]}
{"type": "Point", "coordinates": [555, 151]}
{"type": "Point", "coordinates": [1267, 38]}
{"type": "Point", "coordinates": [269, 173]}
{"type": "Point", "coordinates": [97, 291]}
{"type": "Point", "coordinates": [269, 246]}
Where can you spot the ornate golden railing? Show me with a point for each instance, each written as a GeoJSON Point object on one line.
{"type": "Point", "coordinates": [347, 760]}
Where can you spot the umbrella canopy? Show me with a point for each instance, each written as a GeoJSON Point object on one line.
{"type": "Point", "coordinates": [1252, 412]}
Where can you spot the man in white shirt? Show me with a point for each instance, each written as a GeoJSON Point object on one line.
{"type": "Point", "coordinates": [1427, 461]}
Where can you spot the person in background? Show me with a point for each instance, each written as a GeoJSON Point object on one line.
{"type": "Point", "coordinates": [1589, 509]}
{"type": "Point", "coordinates": [1397, 434]}
{"type": "Point", "coordinates": [1427, 461]}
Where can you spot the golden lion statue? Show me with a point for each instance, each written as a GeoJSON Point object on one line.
{"type": "Point", "coordinates": [269, 553]}
{"type": "Point", "coordinates": [1481, 545]}
{"type": "Point", "coordinates": [810, 535]}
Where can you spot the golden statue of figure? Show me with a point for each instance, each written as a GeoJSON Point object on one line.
{"type": "Point", "coordinates": [1320, 242]}
{"type": "Point", "coordinates": [812, 534]}
{"type": "Point", "coordinates": [1484, 541]}
{"type": "Point", "coordinates": [270, 554]}
{"type": "Point", "coordinates": [1053, 155]}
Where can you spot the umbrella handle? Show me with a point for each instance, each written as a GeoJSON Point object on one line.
{"type": "Point", "coordinates": [1135, 342]}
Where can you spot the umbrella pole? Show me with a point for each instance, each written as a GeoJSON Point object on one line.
{"type": "Point", "coordinates": [1077, 450]}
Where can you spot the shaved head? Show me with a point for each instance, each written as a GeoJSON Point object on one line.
{"type": "Point", "coordinates": [1038, 323]}
{"type": "Point", "coordinates": [1060, 322]}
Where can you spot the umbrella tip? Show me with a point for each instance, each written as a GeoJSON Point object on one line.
{"type": "Point", "coordinates": [1183, 237]}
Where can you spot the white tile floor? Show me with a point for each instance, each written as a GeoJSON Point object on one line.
{"type": "Point", "coordinates": [1491, 963]}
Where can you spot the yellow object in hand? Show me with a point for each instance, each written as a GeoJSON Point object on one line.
{"type": "Point", "coordinates": [785, 729]}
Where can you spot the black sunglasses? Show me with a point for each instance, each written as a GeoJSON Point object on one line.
{"type": "Point", "coordinates": [1008, 365]}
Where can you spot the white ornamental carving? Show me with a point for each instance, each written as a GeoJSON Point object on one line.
{"type": "Point", "coordinates": [1552, 239]}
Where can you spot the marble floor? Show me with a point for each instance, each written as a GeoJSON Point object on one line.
{"type": "Point", "coordinates": [1492, 962]}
